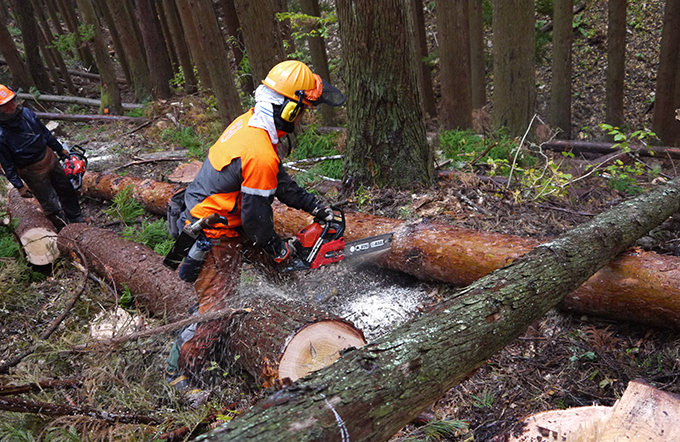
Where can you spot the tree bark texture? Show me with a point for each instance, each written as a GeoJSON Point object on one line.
{"type": "Point", "coordinates": [194, 43]}
{"type": "Point", "coordinates": [370, 393]}
{"type": "Point", "coordinates": [387, 144]}
{"type": "Point", "coordinates": [667, 99]}
{"type": "Point", "coordinates": [126, 263]}
{"type": "Point", "coordinates": [116, 39]}
{"type": "Point", "coordinates": [616, 61]}
{"type": "Point", "coordinates": [514, 50]}
{"type": "Point", "coordinates": [110, 94]}
{"type": "Point", "coordinates": [236, 42]}
{"type": "Point", "coordinates": [23, 11]}
{"type": "Point", "coordinates": [261, 36]}
{"type": "Point", "coordinates": [36, 233]}
{"type": "Point", "coordinates": [455, 255]}
{"type": "Point", "coordinates": [425, 72]}
{"type": "Point", "coordinates": [180, 44]}
{"type": "Point", "coordinates": [133, 49]}
{"type": "Point", "coordinates": [560, 91]}
{"type": "Point", "coordinates": [477, 60]}
{"type": "Point", "coordinates": [453, 25]}
{"type": "Point", "coordinates": [21, 77]}
{"type": "Point", "coordinates": [156, 51]}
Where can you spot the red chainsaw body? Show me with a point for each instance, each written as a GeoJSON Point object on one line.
{"type": "Point", "coordinates": [321, 245]}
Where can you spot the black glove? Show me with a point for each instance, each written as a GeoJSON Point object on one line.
{"type": "Point", "coordinates": [63, 155]}
{"type": "Point", "coordinates": [323, 212]}
{"type": "Point", "coordinates": [279, 249]}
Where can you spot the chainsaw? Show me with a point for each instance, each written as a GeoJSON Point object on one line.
{"type": "Point", "coordinates": [323, 242]}
{"type": "Point", "coordinates": [75, 165]}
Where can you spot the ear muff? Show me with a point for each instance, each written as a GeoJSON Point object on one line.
{"type": "Point", "coordinates": [290, 110]}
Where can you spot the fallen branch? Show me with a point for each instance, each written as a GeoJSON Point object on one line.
{"type": "Point", "coordinates": [18, 405]}
{"type": "Point", "coordinates": [89, 117]}
{"type": "Point", "coordinates": [7, 390]}
{"type": "Point", "coordinates": [580, 147]}
{"type": "Point", "coordinates": [75, 100]}
{"type": "Point", "coordinates": [136, 162]}
{"type": "Point", "coordinates": [195, 319]}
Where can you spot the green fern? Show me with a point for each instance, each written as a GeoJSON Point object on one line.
{"type": "Point", "coordinates": [125, 207]}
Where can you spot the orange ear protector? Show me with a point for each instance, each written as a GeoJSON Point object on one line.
{"type": "Point", "coordinates": [291, 109]}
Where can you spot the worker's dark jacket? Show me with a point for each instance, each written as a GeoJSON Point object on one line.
{"type": "Point", "coordinates": [239, 181]}
{"type": "Point", "coordinates": [22, 142]}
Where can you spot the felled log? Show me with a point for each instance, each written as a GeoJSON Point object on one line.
{"type": "Point", "coordinates": [370, 393]}
{"type": "Point", "coordinates": [70, 99]}
{"type": "Point", "coordinates": [274, 340]}
{"type": "Point", "coordinates": [153, 195]}
{"type": "Point", "coordinates": [579, 147]}
{"type": "Point", "coordinates": [126, 263]}
{"type": "Point", "coordinates": [441, 252]}
{"type": "Point", "coordinates": [90, 117]}
{"type": "Point", "coordinates": [36, 233]}
{"type": "Point", "coordinates": [643, 413]}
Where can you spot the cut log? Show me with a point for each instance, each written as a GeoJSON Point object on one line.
{"type": "Point", "coordinates": [440, 252]}
{"type": "Point", "coordinates": [579, 147]}
{"type": "Point", "coordinates": [70, 99]}
{"type": "Point", "coordinates": [131, 265]}
{"type": "Point", "coordinates": [37, 233]}
{"type": "Point", "coordinates": [274, 341]}
{"type": "Point", "coordinates": [185, 173]}
{"type": "Point", "coordinates": [90, 117]}
{"type": "Point", "coordinates": [370, 393]}
{"type": "Point", "coordinates": [153, 195]}
{"type": "Point", "coordinates": [643, 414]}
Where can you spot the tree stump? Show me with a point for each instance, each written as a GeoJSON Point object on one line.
{"type": "Point", "coordinates": [37, 233]}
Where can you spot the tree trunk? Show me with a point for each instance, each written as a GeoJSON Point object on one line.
{"type": "Point", "coordinates": [616, 61]}
{"type": "Point", "coordinates": [221, 75]}
{"type": "Point", "coordinates": [24, 14]}
{"type": "Point", "coordinates": [110, 94]}
{"type": "Point", "coordinates": [21, 77]}
{"type": "Point", "coordinates": [317, 52]}
{"type": "Point", "coordinates": [386, 140]}
{"type": "Point", "coordinates": [36, 233]}
{"type": "Point", "coordinates": [664, 122]}
{"type": "Point", "coordinates": [477, 61]}
{"type": "Point", "coordinates": [194, 43]}
{"type": "Point", "coordinates": [118, 47]}
{"type": "Point", "coordinates": [128, 264]}
{"type": "Point", "coordinates": [69, 99]}
{"type": "Point", "coordinates": [178, 38]}
{"type": "Point", "coordinates": [370, 393]}
{"type": "Point", "coordinates": [261, 36]}
{"type": "Point", "coordinates": [68, 12]}
{"type": "Point", "coordinates": [560, 92]}
{"type": "Point", "coordinates": [453, 25]}
{"type": "Point", "coordinates": [236, 43]}
{"type": "Point", "coordinates": [514, 47]}
{"type": "Point", "coordinates": [156, 51]}
{"type": "Point", "coordinates": [133, 49]}
{"type": "Point", "coordinates": [455, 255]}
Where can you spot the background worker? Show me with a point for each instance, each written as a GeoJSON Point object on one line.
{"type": "Point", "coordinates": [30, 166]}
{"type": "Point", "coordinates": [238, 181]}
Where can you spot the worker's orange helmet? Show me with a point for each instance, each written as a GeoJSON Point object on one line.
{"type": "Point", "coordinates": [294, 79]}
{"type": "Point", "coordinates": [6, 95]}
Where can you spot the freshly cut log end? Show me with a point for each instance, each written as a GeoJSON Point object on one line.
{"type": "Point", "coordinates": [317, 346]}
{"type": "Point", "coordinates": [40, 245]}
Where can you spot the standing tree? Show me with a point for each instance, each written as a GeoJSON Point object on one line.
{"type": "Point", "coordinates": [616, 61]}
{"type": "Point", "coordinates": [194, 42]}
{"type": "Point", "coordinates": [455, 110]}
{"type": "Point", "coordinates": [386, 142]}
{"type": "Point", "coordinates": [560, 91]}
{"type": "Point", "coordinates": [110, 94]}
{"type": "Point", "coordinates": [513, 64]}
{"type": "Point", "coordinates": [236, 43]}
{"type": "Point", "coordinates": [425, 72]}
{"type": "Point", "coordinates": [156, 51]}
{"type": "Point", "coordinates": [24, 15]}
{"type": "Point", "coordinates": [133, 48]}
{"type": "Point", "coordinates": [178, 38]}
{"type": "Point", "coordinates": [115, 39]}
{"type": "Point", "coordinates": [666, 119]}
{"type": "Point", "coordinates": [477, 63]}
{"type": "Point", "coordinates": [67, 10]}
{"type": "Point", "coordinates": [261, 35]}
{"type": "Point", "coordinates": [21, 77]}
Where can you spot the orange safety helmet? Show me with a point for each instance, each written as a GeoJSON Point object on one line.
{"type": "Point", "coordinates": [6, 95]}
{"type": "Point", "coordinates": [293, 79]}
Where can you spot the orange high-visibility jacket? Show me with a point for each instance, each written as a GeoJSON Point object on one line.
{"type": "Point", "coordinates": [239, 180]}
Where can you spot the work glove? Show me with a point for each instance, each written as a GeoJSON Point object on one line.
{"type": "Point", "coordinates": [323, 212]}
{"type": "Point", "coordinates": [25, 192]}
{"type": "Point", "coordinates": [279, 249]}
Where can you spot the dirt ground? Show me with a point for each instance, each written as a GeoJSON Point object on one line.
{"type": "Point", "coordinates": [561, 361]}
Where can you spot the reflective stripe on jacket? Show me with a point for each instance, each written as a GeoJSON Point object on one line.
{"type": "Point", "coordinates": [239, 180]}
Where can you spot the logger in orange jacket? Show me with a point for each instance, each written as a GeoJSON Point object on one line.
{"type": "Point", "coordinates": [239, 180]}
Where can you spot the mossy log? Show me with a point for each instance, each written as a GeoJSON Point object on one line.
{"type": "Point", "coordinates": [128, 264]}
{"type": "Point", "coordinates": [370, 393]}
{"type": "Point", "coordinates": [639, 286]}
{"type": "Point", "coordinates": [36, 233]}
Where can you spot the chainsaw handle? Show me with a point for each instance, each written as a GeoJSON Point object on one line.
{"type": "Point", "coordinates": [338, 223]}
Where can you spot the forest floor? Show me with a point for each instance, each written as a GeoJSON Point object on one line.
{"type": "Point", "coordinates": [561, 361]}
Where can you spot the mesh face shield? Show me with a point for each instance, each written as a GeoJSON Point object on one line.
{"type": "Point", "coordinates": [325, 93]}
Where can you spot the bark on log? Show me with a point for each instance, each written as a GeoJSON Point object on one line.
{"type": "Point", "coordinates": [153, 195]}
{"type": "Point", "coordinates": [76, 100]}
{"type": "Point", "coordinates": [370, 393]}
{"type": "Point", "coordinates": [136, 266]}
{"type": "Point", "coordinates": [578, 147]}
{"type": "Point", "coordinates": [91, 117]}
{"type": "Point", "coordinates": [37, 233]}
{"type": "Point", "coordinates": [622, 290]}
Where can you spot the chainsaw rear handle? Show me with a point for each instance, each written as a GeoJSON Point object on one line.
{"type": "Point", "coordinates": [338, 223]}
